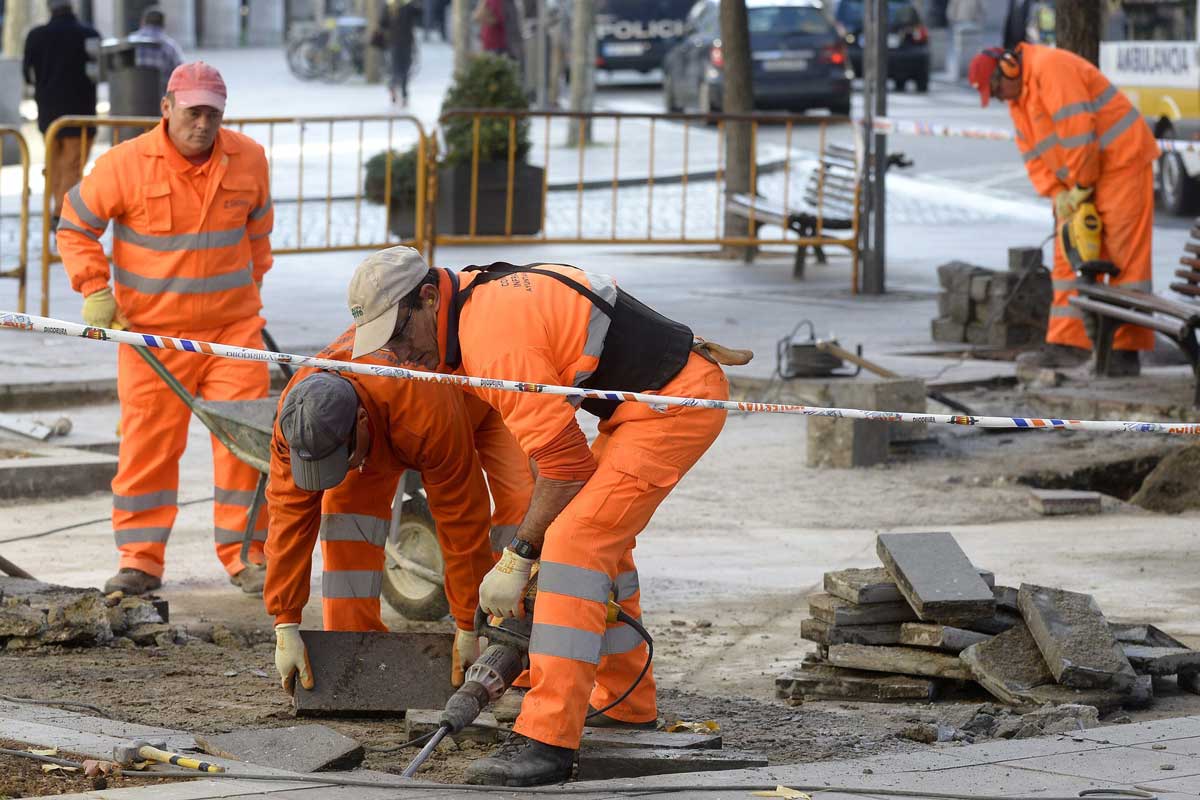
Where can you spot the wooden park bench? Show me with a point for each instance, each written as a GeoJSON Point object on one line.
{"type": "Point", "coordinates": [1112, 306]}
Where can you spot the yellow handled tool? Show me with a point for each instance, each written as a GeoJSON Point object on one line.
{"type": "Point", "coordinates": [142, 750]}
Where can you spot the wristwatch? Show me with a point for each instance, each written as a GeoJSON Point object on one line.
{"type": "Point", "coordinates": [525, 549]}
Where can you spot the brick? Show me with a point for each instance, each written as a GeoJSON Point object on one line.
{"type": "Point", "coordinates": [1074, 638]}
{"type": "Point", "coordinates": [941, 637]}
{"type": "Point", "coordinates": [935, 576]}
{"type": "Point", "coordinates": [601, 763]}
{"type": "Point", "coordinates": [945, 329]}
{"type": "Point", "coordinates": [835, 611]}
{"type": "Point", "coordinates": [901, 660]}
{"type": "Point", "coordinates": [363, 674]}
{"type": "Point", "coordinates": [420, 721]}
{"type": "Point", "coordinates": [824, 682]}
{"type": "Point", "coordinates": [1056, 502]}
{"type": "Point", "coordinates": [874, 585]}
{"type": "Point", "coordinates": [823, 633]}
{"type": "Point", "coordinates": [1008, 665]}
{"type": "Point", "coordinates": [299, 748]}
{"type": "Point", "coordinates": [1161, 660]}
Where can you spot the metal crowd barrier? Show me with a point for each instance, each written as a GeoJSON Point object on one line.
{"type": "Point", "coordinates": [316, 210]}
{"type": "Point", "coordinates": [20, 269]}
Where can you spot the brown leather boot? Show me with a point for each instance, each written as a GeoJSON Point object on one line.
{"type": "Point", "coordinates": [251, 579]}
{"type": "Point", "coordinates": [132, 582]}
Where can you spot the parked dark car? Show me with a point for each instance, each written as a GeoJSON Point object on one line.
{"type": "Point", "coordinates": [908, 41]}
{"type": "Point", "coordinates": [633, 34]}
{"type": "Point", "coordinates": [798, 57]}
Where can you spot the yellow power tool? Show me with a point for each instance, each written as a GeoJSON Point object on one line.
{"type": "Point", "coordinates": [1080, 236]}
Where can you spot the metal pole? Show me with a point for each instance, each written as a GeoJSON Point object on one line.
{"type": "Point", "coordinates": [868, 117]}
{"type": "Point", "coordinates": [540, 54]}
{"type": "Point", "coordinates": [876, 260]}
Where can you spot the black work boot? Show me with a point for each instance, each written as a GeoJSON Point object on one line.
{"type": "Point", "coordinates": [132, 582]}
{"type": "Point", "coordinates": [522, 761]}
{"type": "Point", "coordinates": [603, 721]}
{"type": "Point", "coordinates": [1054, 356]}
{"type": "Point", "coordinates": [1124, 364]}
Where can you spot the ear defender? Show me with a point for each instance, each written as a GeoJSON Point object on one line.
{"type": "Point", "coordinates": [1010, 66]}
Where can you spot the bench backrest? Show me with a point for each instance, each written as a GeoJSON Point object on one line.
{"type": "Point", "coordinates": [1189, 283]}
{"type": "Point", "coordinates": [833, 187]}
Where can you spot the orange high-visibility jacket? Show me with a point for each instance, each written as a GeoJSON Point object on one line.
{"type": "Point", "coordinates": [414, 425]}
{"type": "Point", "coordinates": [189, 242]}
{"type": "Point", "coordinates": [1072, 124]}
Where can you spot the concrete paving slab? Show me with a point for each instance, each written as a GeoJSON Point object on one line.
{"type": "Point", "coordinates": [935, 576]}
{"type": "Point", "coordinates": [1188, 785]}
{"type": "Point", "coordinates": [822, 632]}
{"type": "Point", "coordinates": [835, 611]}
{"type": "Point", "coordinates": [1161, 660]}
{"type": "Point", "coordinates": [1183, 747]}
{"type": "Point", "coordinates": [1008, 665]}
{"type": "Point", "coordinates": [1053, 502]}
{"type": "Point", "coordinates": [940, 637]}
{"type": "Point", "coordinates": [598, 763]}
{"type": "Point", "coordinates": [1162, 730]}
{"type": "Point", "coordinates": [1073, 635]}
{"type": "Point", "coordinates": [1006, 750]}
{"type": "Point", "coordinates": [296, 748]}
{"type": "Point", "coordinates": [1128, 765]}
{"type": "Point", "coordinates": [902, 660]}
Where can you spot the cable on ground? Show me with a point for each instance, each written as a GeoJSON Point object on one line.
{"type": "Point", "coordinates": [68, 704]}
{"type": "Point", "coordinates": [85, 523]}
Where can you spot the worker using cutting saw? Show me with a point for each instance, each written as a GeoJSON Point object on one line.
{"type": "Point", "coordinates": [555, 324]}
{"type": "Point", "coordinates": [1082, 141]}
{"type": "Point", "coordinates": [341, 443]}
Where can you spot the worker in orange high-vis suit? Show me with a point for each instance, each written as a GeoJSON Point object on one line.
{"type": "Point", "coordinates": [341, 443]}
{"type": "Point", "coordinates": [556, 324]}
{"type": "Point", "coordinates": [1081, 139]}
{"type": "Point", "coordinates": [190, 206]}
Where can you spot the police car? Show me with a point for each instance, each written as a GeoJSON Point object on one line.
{"type": "Point", "coordinates": [636, 34]}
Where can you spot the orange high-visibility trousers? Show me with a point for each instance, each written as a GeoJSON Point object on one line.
{"type": "Point", "coordinates": [154, 427]}
{"type": "Point", "coordinates": [1125, 201]}
{"type": "Point", "coordinates": [576, 659]}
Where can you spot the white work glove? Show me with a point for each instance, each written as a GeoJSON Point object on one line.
{"type": "Point", "coordinates": [1068, 201]}
{"type": "Point", "coordinates": [291, 657]}
{"type": "Point", "coordinates": [503, 588]}
{"type": "Point", "coordinates": [466, 651]}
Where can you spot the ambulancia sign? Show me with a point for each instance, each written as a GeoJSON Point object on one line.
{"type": "Point", "coordinates": [1173, 64]}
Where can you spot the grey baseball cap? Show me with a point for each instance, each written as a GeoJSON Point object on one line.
{"type": "Point", "coordinates": [378, 285]}
{"type": "Point", "coordinates": [317, 419]}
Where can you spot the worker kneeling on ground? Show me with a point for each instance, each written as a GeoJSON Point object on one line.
{"type": "Point", "coordinates": [1081, 139]}
{"type": "Point", "coordinates": [556, 324]}
{"type": "Point", "coordinates": [190, 204]}
{"type": "Point", "coordinates": [340, 446]}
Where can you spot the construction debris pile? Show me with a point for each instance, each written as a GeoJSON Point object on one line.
{"type": "Point", "coordinates": [928, 624]}
{"type": "Point", "coordinates": [35, 614]}
{"type": "Point", "coordinates": [985, 307]}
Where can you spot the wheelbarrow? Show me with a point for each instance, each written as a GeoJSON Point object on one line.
{"type": "Point", "coordinates": [413, 581]}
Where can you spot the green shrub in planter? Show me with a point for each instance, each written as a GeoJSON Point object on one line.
{"type": "Point", "coordinates": [488, 81]}
{"type": "Point", "coordinates": [404, 188]}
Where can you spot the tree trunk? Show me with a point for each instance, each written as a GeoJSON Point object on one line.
{"type": "Point", "coordinates": [1077, 27]}
{"type": "Point", "coordinates": [17, 21]}
{"type": "Point", "coordinates": [373, 66]}
{"type": "Point", "coordinates": [583, 68]}
{"type": "Point", "coordinates": [461, 19]}
{"type": "Point", "coordinates": [737, 98]}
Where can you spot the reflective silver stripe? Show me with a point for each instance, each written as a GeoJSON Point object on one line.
{"type": "Point", "coordinates": [572, 581]}
{"type": "Point", "coordinates": [86, 214]}
{"type": "Point", "coordinates": [233, 497]}
{"type": "Point", "coordinates": [261, 211]}
{"type": "Point", "coordinates": [1078, 141]}
{"type": "Point", "coordinates": [230, 536]}
{"type": "Point", "coordinates": [1140, 286]}
{"type": "Point", "coordinates": [1066, 311]}
{"type": "Point", "coordinates": [354, 528]}
{"type": "Point", "coordinates": [501, 535]}
{"type": "Point", "coordinates": [217, 283]}
{"type": "Point", "coordinates": [598, 321]}
{"type": "Point", "coordinates": [205, 240]}
{"type": "Point", "coordinates": [1040, 147]}
{"type": "Point", "coordinates": [350, 584]}
{"type": "Point", "coordinates": [1065, 286]}
{"type": "Point", "coordinates": [141, 535]}
{"type": "Point", "coordinates": [620, 639]}
{"type": "Point", "coordinates": [564, 642]}
{"type": "Point", "coordinates": [1062, 173]}
{"type": "Point", "coordinates": [626, 585]}
{"type": "Point", "coordinates": [67, 225]}
{"type": "Point", "coordinates": [1119, 127]}
{"type": "Point", "coordinates": [258, 236]}
{"type": "Point", "coordinates": [1087, 106]}
{"type": "Point", "coordinates": [145, 502]}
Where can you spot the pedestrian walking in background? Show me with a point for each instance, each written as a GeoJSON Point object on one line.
{"type": "Point", "coordinates": [166, 56]}
{"type": "Point", "coordinates": [397, 23]}
{"type": "Point", "coordinates": [1015, 22]}
{"type": "Point", "coordinates": [965, 17]}
{"type": "Point", "coordinates": [500, 28]}
{"type": "Point", "coordinates": [190, 204]}
{"type": "Point", "coordinates": [55, 64]}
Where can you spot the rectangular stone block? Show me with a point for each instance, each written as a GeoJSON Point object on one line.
{"type": "Point", "coordinates": [1006, 598]}
{"type": "Point", "coordinates": [980, 287]}
{"type": "Point", "coordinates": [601, 763]}
{"type": "Point", "coordinates": [823, 633]}
{"type": "Point", "coordinates": [297, 748]}
{"type": "Point", "coordinates": [1104, 700]}
{"type": "Point", "coordinates": [835, 611]}
{"type": "Point", "coordinates": [1008, 665]}
{"type": "Point", "coordinates": [999, 622]}
{"type": "Point", "coordinates": [935, 576]}
{"type": "Point", "coordinates": [1023, 259]}
{"type": "Point", "coordinates": [1161, 660]}
{"type": "Point", "coordinates": [845, 443]}
{"type": "Point", "coordinates": [825, 682]}
{"type": "Point", "coordinates": [1056, 502]}
{"type": "Point", "coordinates": [1189, 680]}
{"type": "Point", "coordinates": [1147, 635]}
{"type": "Point", "coordinates": [365, 674]}
{"type": "Point", "coordinates": [940, 637]}
{"type": "Point", "coordinates": [421, 721]}
{"type": "Point", "coordinates": [874, 585]}
{"type": "Point", "coordinates": [612, 737]}
{"type": "Point", "coordinates": [902, 660]}
{"type": "Point", "coordinates": [1075, 639]}
{"type": "Point", "coordinates": [947, 329]}
{"type": "Point", "coordinates": [842, 443]}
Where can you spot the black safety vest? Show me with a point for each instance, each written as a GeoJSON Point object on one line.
{"type": "Point", "coordinates": [643, 350]}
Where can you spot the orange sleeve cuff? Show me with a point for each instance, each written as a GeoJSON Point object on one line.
{"type": "Point", "coordinates": [92, 286]}
{"type": "Point", "coordinates": [566, 457]}
{"type": "Point", "coordinates": [289, 616]}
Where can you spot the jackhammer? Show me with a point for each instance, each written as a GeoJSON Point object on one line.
{"type": "Point", "coordinates": [506, 657]}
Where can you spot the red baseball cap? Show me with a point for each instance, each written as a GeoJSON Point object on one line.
{"type": "Point", "coordinates": [979, 74]}
{"type": "Point", "coordinates": [197, 84]}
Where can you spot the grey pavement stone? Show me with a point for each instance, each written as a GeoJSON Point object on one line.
{"type": "Point", "coordinates": [421, 721]}
{"type": "Point", "coordinates": [1074, 638]}
{"type": "Point", "coordinates": [1161, 660]}
{"type": "Point", "coordinates": [935, 576]}
{"type": "Point", "coordinates": [835, 611]}
{"type": "Point", "coordinates": [1008, 665]}
{"type": "Point", "coordinates": [1129, 765]}
{"type": "Point", "coordinates": [1147, 733]}
{"type": "Point", "coordinates": [941, 637]}
{"type": "Point", "coordinates": [875, 585]}
{"type": "Point", "coordinates": [1182, 747]}
{"type": "Point", "coordinates": [901, 660]}
{"type": "Point", "coordinates": [1054, 502]}
{"type": "Point", "coordinates": [821, 632]}
{"type": "Point", "coordinates": [1006, 598]}
{"type": "Point", "coordinates": [826, 682]}
{"type": "Point", "coordinates": [297, 748]}
{"type": "Point", "coordinates": [599, 763]}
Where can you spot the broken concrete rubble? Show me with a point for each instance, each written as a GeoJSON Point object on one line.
{"type": "Point", "coordinates": [33, 614]}
{"type": "Point", "coordinates": [1008, 665]}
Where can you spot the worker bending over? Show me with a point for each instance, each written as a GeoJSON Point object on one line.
{"type": "Point", "coordinates": [341, 443]}
{"type": "Point", "coordinates": [1081, 139]}
{"type": "Point", "coordinates": [556, 324]}
{"type": "Point", "coordinates": [190, 204]}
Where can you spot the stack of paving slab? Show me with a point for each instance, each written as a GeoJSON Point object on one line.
{"type": "Point", "coordinates": [987, 307]}
{"type": "Point", "coordinates": [929, 622]}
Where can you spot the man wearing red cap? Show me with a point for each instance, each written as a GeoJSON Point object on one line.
{"type": "Point", "coordinates": [1081, 140]}
{"type": "Point", "coordinates": [190, 205]}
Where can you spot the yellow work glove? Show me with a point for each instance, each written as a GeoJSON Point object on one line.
{"type": "Point", "coordinates": [100, 309]}
{"type": "Point", "coordinates": [466, 651]}
{"type": "Point", "coordinates": [503, 588]}
{"type": "Point", "coordinates": [1068, 201]}
{"type": "Point", "coordinates": [291, 657]}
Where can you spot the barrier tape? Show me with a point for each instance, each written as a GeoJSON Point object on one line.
{"type": "Point", "coordinates": [912, 127]}
{"type": "Point", "coordinates": [28, 322]}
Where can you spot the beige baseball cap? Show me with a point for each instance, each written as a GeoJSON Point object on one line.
{"type": "Point", "coordinates": [378, 285]}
